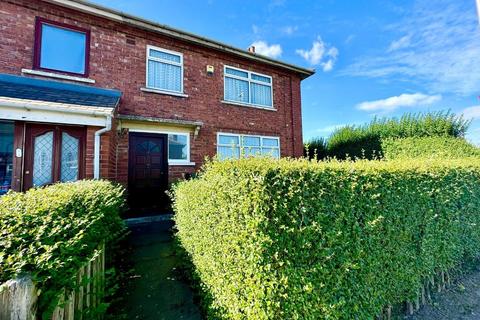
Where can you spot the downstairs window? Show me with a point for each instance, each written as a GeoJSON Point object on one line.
{"type": "Point", "coordinates": [234, 146]}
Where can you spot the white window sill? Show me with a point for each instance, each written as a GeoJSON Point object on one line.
{"type": "Point", "coordinates": [169, 93]}
{"type": "Point", "coordinates": [180, 163]}
{"type": "Point", "coordinates": [57, 76]}
{"type": "Point", "coordinates": [247, 105]}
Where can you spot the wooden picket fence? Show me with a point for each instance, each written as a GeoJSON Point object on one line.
{"type": "Point", "coordinates": [18, 297]}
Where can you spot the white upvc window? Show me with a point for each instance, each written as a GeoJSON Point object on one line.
{"type": "Point", "coordinates": [246, 87]}
{"type": "Point", "coordinates": [234, 146]}
{"type": "Point", "coordinates": [164, 70]}
{"type": "Point", "coordinates": [178, 148]}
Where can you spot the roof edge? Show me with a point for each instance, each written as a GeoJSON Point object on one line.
{"type": "Point", "coordinates": [112, 14]}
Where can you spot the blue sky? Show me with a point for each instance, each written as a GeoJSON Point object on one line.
{"type": "Point", "coordinates": [373, 57]}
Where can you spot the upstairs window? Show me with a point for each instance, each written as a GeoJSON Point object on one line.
{"type": "Point", "coordinates": [164, 70]}
{"type": "Point", "coordinates": [248, 87]}
{"type": "Point", "coordinates": [59, 47]}
{"type": "Point", "coordinates": [234, 146]}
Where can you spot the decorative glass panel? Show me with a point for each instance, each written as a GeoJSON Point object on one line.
{"type": "Point", "coordinates": [260, 78]}
{"type": "Point", "coordinates": [6, 156]}
{"type": "Point", "coordinates": [269, 142]}
{"type": "Point", "coordinates": [177, 147]}
{"type": "Point", "coordinates": [251, 141]}
{"type": "Point", "coordinates": [147, 147]}
{"type": "Point", "coordinates": [63, 49]}
{"type": "Point", "coordinates": [228, 152]}
{"type": "Point", "coordinates": [43, 159]}
{"type": "Point", "coordinates": [69, 160]}
{"type": "Point", "coordinates": [261, 95]}
{"type": "Point", "coordinates": [228, 140]}
{"type": "Point", "coordinates": [237, 73]}
{"type": "Point", "coordinates": [165, 56]}
{"type": "Point", "coordinates": [164, 76]}
{"type": "Point", "coordinates": [236, 90]}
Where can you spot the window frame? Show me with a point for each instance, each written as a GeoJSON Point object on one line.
{"type": "Point", "coordinates": [37, 51]}
{"type": "Point", "coordinates": [178, 161]}
{"type": "Point", "coordinates": [240, 140]}
{"type": "Point", "coordinates": [148, 57]}
{"type": "Point", "coordinates": [172, 162]}
{"type": "Point", "coordinates": [250, 81]}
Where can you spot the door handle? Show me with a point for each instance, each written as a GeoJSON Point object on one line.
{"type": "Point", "coordinates": [27, 172]}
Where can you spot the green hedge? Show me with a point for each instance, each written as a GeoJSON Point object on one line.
{"type": "Point", "coordinates": [431, 147]}
{"type": "Point", "coordinates": [293, 239]}
{"type": "Point", "coordinates": [50, 232]}
{"type": "Point", "coordinates": [365, 141]}
{"type": "Point", "coordinates": [316, 148]}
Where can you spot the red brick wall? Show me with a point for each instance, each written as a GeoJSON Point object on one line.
{"type": "Point", "coordinates": [106, 154]}
{"type": "Point", "coordinates": [116, 64]}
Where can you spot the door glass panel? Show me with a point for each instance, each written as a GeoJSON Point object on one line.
{"type": "Point", "coordinates": [69, 160]}
{"type": "Point", "coordinates": [43, 159]}
{"type": "Point", "coordinates": [6, 156]}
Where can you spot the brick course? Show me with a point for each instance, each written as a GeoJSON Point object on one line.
{"type": "Point", "coordinates": [121, 64]}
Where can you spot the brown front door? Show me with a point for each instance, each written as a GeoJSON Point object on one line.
{"type": "Point", "coordinates": [147, 170]}
{"type": "Point", "coordinates": [53, 153]}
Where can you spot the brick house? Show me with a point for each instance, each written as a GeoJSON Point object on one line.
{"type": "Point", "coordinates": [89, 92]}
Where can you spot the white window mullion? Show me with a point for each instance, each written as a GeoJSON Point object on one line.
{"type": "Point", "coordinates": [240, 146]}
{"type": "Point", "coordinates": [259, 100]}
{"type": "Point", "coordinates": [164, 74]}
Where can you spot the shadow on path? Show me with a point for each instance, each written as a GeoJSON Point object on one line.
{"type": "Point", "coordinates": [152, 291]}
{"type": "Point", "coordinates": [459, 302]}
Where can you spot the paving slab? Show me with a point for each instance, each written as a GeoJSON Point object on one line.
{"type": "Point", "coordinates": [153, 290]}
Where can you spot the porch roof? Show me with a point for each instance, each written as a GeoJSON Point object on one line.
{"type": "Point", "coordinates": [19, 87]}
{"type": "Point", "coordinates": [178, 122]}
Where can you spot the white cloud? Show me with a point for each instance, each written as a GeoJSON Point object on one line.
{"type": "Point", "coordinates": [330, 129]}
{"type": "Point", "coordinates": [320, 54]}
{"type": "Point", "coordinates": [395, 102]}
{"type": "Point", "coordinates": [272, 51]}
{"type": "Point", "coordinates": [289, 30]}
{"type": "Point", "coordinates": [276, 3]}
{"type": "Point", "coordinates": [471, 112]}
{"type": "Point", "coordinates": [440, 49]}
{"type": "Point", "coordinates": [349, 39]}
{"type": "Point", "coordinates": [403, 42]}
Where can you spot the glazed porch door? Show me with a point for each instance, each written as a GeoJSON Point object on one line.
{"type": "Point", "coordinates": [147, 170]}
{"type": "Point", "coordinates": [53, 154]}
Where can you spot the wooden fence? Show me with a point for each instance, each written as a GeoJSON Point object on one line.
{"type": "Point", "coordinates": [18, 297]}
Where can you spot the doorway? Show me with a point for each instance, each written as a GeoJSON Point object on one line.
{"type": "Point", "coordinates": [52, 154]}
{"type": "Point", "coordinates": [147, 173]}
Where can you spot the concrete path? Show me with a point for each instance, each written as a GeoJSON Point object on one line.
{"type": "Point", "coordinates": [153, 291]}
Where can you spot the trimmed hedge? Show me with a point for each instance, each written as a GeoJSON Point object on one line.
{"type": "Point", "coordinates": [366, 141]}
{"type": "Point", "coordinates": [292, 239]}
{"type": "Point", "coordinates": [431, 147]}
{"type": "Point", "coordinates": [51, 232]}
